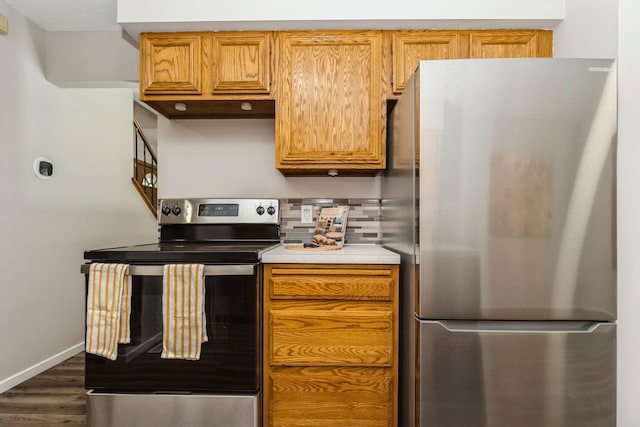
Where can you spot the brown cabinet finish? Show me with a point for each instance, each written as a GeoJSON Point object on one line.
{"type": "Point", "coordinates": [330, 353]}
{"type": "Point", "coordinates": [410, 46]}
{"type": "Point", "coordinates": [331, 397]}
{"type": "Point", "coordinates": [330, 112]}
{"type": "Point", "coordinates": [170, 64]}
{"type": "Point", "coordinates": [212, 73]}
{"type": "Point", "coordinates": [240, 62]}
{"type": "Point", "coordinates": [510, 44]}
{"type": "Point", "coordinates": [331, 87]}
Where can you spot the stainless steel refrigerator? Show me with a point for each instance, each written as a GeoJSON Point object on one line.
{"type": "Point", "coordinates": [500, 197]}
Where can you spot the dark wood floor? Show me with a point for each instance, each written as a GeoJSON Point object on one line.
{"type": "Point", "coordinates": [54, 398]}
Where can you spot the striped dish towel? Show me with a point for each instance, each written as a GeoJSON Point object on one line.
{"type": "Point", "coordinates": [108, 309]}
{"type": "Point", "coordinates": [183, 317]}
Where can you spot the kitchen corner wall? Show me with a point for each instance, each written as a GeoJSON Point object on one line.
{"type": "Point", "coordinates": [46, 225]}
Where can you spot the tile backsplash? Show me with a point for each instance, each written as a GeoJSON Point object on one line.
{"type": "Point", "coordinates": [363, 222]}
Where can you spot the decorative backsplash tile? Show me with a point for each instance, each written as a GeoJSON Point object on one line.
{"type": "Point", "coordinates": [363, 222]}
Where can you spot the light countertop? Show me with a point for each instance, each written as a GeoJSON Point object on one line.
{"type": "Point", "coordinates": [349, 254]}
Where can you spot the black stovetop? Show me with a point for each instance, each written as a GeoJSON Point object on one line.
{"type": "Point", "coordinates": [195, 244]}
{"type": "Point", "coordinates": [201, 252]}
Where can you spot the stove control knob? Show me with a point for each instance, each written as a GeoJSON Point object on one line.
{"type": "Point", "coordinates": [260, 210]}
{"type": "Point", "coordinates": [271, 210]}
{"type": "Point", "coordinates": [166, 210]}
{"type": "Point", "coordinates": [176, 210]}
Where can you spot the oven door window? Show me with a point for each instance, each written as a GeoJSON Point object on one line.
{"type": "Point", "coordinates": [228, 362]}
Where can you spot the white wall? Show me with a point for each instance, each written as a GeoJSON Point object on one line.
{"type": "Point", "coordinates": [195, 15]}
{"type": "Point", "coordinates": [293, 10]}
{"type": "Point", "coordinates": [236, 158]}
{"type": "Point", "coordinates": [590, 30]}
{"type": "Point", "coordinates": [45, 225]}
{"type": "Point", "coordinates": [91, 59]}
{"type": "Point", "coordinates": [629, 214]}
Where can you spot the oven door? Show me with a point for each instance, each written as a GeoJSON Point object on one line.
{"type": "Point", "coordinates": [229, 361]}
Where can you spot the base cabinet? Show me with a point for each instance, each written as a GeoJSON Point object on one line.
{"type": "Point", "coordinates": [330, 345]}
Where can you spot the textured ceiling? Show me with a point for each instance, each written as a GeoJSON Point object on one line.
{"type": "Point", "coordinates": [70, 15]}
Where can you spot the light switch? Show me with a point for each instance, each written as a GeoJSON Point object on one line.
{"type": "Point", "coordinates": [4, 24]}
{"type": "Point", "coordinates": [306, 214]}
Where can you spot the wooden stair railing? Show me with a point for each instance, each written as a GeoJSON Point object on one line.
{"type": "Point", "coordinates": [145, 169]}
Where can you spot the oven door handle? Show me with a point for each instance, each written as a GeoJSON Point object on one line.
{"type": "Point", "coordinates": [209, 270]}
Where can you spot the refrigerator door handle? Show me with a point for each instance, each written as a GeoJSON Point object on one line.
{"type": "Point", "coordinates": [542, 327]}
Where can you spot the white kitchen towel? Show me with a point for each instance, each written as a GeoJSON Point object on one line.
{"type": "Point", "coordinates": [183, 315]}
{"type": "Point", "coordinates": [107, 283]}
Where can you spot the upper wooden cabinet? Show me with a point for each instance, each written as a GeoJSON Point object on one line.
{"type": "Point", "coordinates": [240, 62]}
{"type": "Point", "coordinates": [510, 44]}
{"type": "Point", "coordinates": [331, 112]}
{"type": "Point", "coordinates": [331, 87]}
{"type": "Point", "coordinates": [410, 46]}
{"type": "Point", "coordinates": [170, 64]}
{"type": "Point", "coordinates": [207, 71]}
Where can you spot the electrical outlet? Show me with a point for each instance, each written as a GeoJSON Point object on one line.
{"type": "Point", "coordinates": [306, 214]}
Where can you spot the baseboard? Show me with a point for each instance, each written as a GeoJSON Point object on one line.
{"type": "Point", "coordinates": [40, 367]}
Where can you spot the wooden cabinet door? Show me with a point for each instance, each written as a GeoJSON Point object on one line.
{"type": "Point", "coordinates": [171, 64]}
{"type": "Point", "coordinates": [409, 47]}
{"type": "Point", "coordinates": [330, 109]}
{"type": "Point", "coordinates": [240, 62]}
{"type": "Point", "coordinates": [510, 44]}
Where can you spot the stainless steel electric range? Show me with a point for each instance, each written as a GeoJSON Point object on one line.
{"type": "Point", "coordinates": [222, 388]}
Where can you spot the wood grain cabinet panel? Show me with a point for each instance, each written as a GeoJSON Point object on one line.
{"type": "Point", "coordinates": [322, 337]}
{"type": "Point", "coordinates": [330, 112]}
{"type": "Point", "coordinates": [330, 397]}
{"type": "Point", "coordinates": [211, 73]}
{"type": "Point", "coordinates": [171, 64]}
{"type": "Point", "coordinates": [330, 357]}
{"type": "Point", "coordinates": [296, 284]}
{"type": "Point", "coordinates": [510, 44]}
{"type": "Point", "coordinates": [409, 47]}
{"type": "Point", "coordinates": [240, 62]}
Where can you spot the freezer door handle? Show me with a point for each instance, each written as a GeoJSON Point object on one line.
{"type": "Point", "coordinates": [542, 327]}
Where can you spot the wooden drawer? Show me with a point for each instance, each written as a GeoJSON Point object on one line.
{"type": "Point", "coordinates": [376, 285]}
{"type": "Point", "coordinates": [345, 397]}
{"type": "Point", "coordinates": [357, 336]}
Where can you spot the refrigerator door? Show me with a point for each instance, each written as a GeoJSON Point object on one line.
{"type": "Point", "coordinates": [525, 374]}
{"type": "Point", "coordinates": [517, 189]}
